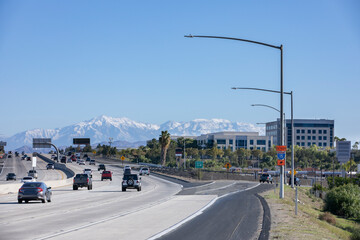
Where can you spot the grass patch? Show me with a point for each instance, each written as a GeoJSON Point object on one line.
{"type": "Point", "coordinates": [307, 224]}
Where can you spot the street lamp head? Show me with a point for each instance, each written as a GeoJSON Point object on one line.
{"type": "Point", "coordinates": [233, 88]}
{"type": "Point", "coordinates": [189, 36]}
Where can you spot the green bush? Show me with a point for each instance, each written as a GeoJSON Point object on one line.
{"type": "Point", "coordinates": [318, 187]}
{"type": "Point", "coordinates": [344, 201]}
{"type": "Point", "coordinates": [355, 234]}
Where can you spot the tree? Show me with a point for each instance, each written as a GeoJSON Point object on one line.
{"type": "Point", "coordinates": [355, 146]}
{"type": "Point", "coordinates": [164, 141]}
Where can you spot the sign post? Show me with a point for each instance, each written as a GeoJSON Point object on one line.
{"type": "Point", "coordinates": [122, 160]}
{"type": "Point", "coordinates": [281, 156]}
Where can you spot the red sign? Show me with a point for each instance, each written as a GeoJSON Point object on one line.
{"type": "Point", "coordinates": [281, 162]}
{"type": "Point", "coordinates": [280, 148]}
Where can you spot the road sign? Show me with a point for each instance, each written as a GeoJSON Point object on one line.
{"type": "Point", "coordinates": [178, 152]}
{"type": "Point", "coordinates": [281, 155]}
{"type": "Point", "coordinates": [280, 148]}
{"type": "Point", "coordinates": [34, 162]}
{"type": "Point", "coordinates": [41, 142]}
{"type": "Point", "coordinates": [122, 158]}
{"type": "Point", "coordinates": [295, 172]}
{"type": "Point", "coordinates": [199, 164]}
{"type": "Point", "coordinates": [227, 165]}
{"type": "Point", "coordinates": [81, 141]}
{"type": "Point", "coordinates": [343, 149]}
{"type": "Point", "coordinates": [280, 162]}
{"type": "Point", "coordinates": [2, 144]}
{"type": "Point", "coordinates": [94, 152]}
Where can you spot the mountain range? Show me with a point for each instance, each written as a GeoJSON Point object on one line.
{"type": "Point", "coordinates": [125, 132]}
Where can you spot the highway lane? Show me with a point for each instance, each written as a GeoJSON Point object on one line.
{"type": "Point", "coordinates": [74, 209]}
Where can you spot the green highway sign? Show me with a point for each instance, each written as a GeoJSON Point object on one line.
{"type": "Point", "coordinates": [199, 164]}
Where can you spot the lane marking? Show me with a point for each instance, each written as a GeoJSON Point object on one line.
{"type": "Point", "coordinates": [174, 227]}
{"type": "Point", "coordinates": [214, 189]}
{"type": "Point", "coordinates": [205, 185]}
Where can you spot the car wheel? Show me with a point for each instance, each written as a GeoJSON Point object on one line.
{"type": "Point", "coordinates": [102, 179]}
{"type": "Point", "coordinates": [75, 188]}
{"type": "Point", "coordinates": [110, 179]}
{"type": "Point", "coordinates": [89, 187]}
{"type": "Point", "coordinates": [19, 201]}
{"type": "Point", "coordinates": [43, 201]}
{"type": "Point", "coordinates": [26, 201]}
{"type": "Point", "coordinates": [49, 200]}
{"type": "Point", "coordinates": [124, 189]}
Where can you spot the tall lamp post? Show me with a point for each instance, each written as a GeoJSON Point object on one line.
{"type": "Point", "coordinates": [292, 127]}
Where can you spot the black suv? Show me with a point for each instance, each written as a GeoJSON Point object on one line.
{"type": "Point", "coordinates": [11, 176]}
{"type": "Point", "coordinates": [265, 177]}
{"type": "Point", "coordinates": [101, 167]}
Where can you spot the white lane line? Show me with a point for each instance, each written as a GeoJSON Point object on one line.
{"type": "Point", "coordinates": [205, 185]}
{"type": "Point", "coordinates": [206, 190]}
{"type": "Point", "coordinates": [201, 211]}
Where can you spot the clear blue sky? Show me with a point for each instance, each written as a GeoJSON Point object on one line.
{"type": "Point", "coordinates": [64, 61]}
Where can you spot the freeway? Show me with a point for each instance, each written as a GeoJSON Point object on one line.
{"type": "Point", "coordinates": [165, 209]}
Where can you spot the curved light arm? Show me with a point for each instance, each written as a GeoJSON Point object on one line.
{"type": "Point", "coordinates": [264, 105]}
{"type": "Point", "coordinates": [260, 89]}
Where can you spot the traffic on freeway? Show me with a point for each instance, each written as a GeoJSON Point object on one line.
{"type": "Point", "coordinates": [137, 206]}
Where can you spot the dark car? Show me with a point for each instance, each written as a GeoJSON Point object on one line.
{"type": "Point", "coordinates": [85, 156]}
{"type": "Point", "coordinates": [34, 191]}
{"type": "Point", "coordinates": [266, 178]}
{"type": "Point", "coordinates": [127, 171]}
{"type": "Point", "coordinates": [63, 159]}
{"type": "Point", "coordinates": [82, 180]}
{"type": "Point", "coordinates": [101, 167]}
{"type": "Point", "coordinates": [297, 181]}
{"type": "Point", "coordinates": [50, 166]}
{"type": "Point", "coordinates": [11, 176]}
{"type": "Point", "coordinates": [28, 158]}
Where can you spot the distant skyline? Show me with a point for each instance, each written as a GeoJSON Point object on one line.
{"type": "Point", "coordinates": [62, 62]}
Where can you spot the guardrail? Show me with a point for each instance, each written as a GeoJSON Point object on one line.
{"type": "Point", "coordinates": [59, 166]}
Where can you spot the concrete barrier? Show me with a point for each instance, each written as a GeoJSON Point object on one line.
{"type": "Point", "coordinates": [59, 166]}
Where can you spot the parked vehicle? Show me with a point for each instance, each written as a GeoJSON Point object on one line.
{"type": "Point", "coordinates": [34, 191]}
{"type": "Point", "coordinates": [92, 162]}
{"type": "Point", "coordinates": [88, 171]}
{"type": "Point", "coordinates": [266, 178]}
{"type": "Point", "coordinates": [50, 166]}
{"type": "Point", "coordinates": [28, 179]}
{"type": "Point", "coordinates": [106, 175]}
{"type": "Point", "coordinates": [101, 167]}
{"type": "Point", "coordinates": [131, 181]}
{"type": "Point", "coordinates": [33, 173]}
{"type": "Point", "coordinates": [82, 180]}
{"type": "Point", "coordinates": [11, 176]}
{"type": "Point", "coordinates": [144, 171]}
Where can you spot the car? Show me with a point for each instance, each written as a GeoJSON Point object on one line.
{"type": "Point", "coordinates": [53, 156]}
{"type": "Point", "coordinates": [33, 173]}
{"type": "Point", "coordinates": [131, 181]}
{"type": "Point", "coordinates": [23, 158]}
{"type": "Point", "coordinates": [101, 167]}
{"type": "Point", "coordinates": [127, 171]}
{"type": "Point", "coordinates": [86, 156]}
{"type": "Point", "coordinates": [81, 162]}
{"type": "Point", "coordinates": [106, 175]}
{"type": "Point", "coordinates": [11, 176]}
{"type": "Point", "coordinates": [88, 171]}
{"type": "Point", "coordinates": [9, 156]}
{"type": "Point", "coordinates": [144, 171]}
{"type": "Point", "coordinates": [34, 191]}
{"type": "Point", "coordinates": [127, 167]}
{"type": "Point", "coordinates": [82, 180]}
{"type": "Point", "coordinates": [87, 159]}
{"type": "Point", "coordinates": [297, 181]}
{"type": "Point", "coordinates": [50, 166]}
{"type": "Point", "coordinates": [28, 179]}
{"type": "Point", "coordinates": [28, 158]}
{"type": "Point", "coordinates": [92, 162]}
{"type": "Point", "coordinates": [63, 159]}
{"type": "Point", "coordinates": [265, 177]}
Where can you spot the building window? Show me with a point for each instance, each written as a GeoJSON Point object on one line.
{"type": "Point", "coordinates": [251, 148]}
{"type": "Point", "coordinates": [260, 142]}
{"type": "Point", "coordinates": [314, 143]}
{"type": "Point", "coordinates": [221, 141]}
{"type": "Point", "coordinates": [309, 131]}
{"type": "Point", "coordinates": [325, 131]}
{"type": "Point", "coordinates": [264, 149]}
{"type": "Point", "coordinates": [302, 144]}
{"type": "Point", "coordinates": [230, 141]}
{"type": "Point", "coordinates": [314, 131]}
{"type": "Point", "coordinates": [303, 131]}
{"type": "Point", "coordinates": [297, 143]}
{"type": "Point", "coordinates": [320, 131]}
{"type": "Point", "coordinates": [269, 145]}
{"type": "Point", "coordinates": [251, 142]}
{"type": "Point", "coordinates": [313, 137]}
{"type": "Point", "coordinates": [258, 148]}
{"type": "Point", "coordinates": [297, 130]}
{"type": "Point", "coordinates": [320, 137]}
{"type": "Point", "coordinates": [325, 137]}
{"type": "Point", "coordinates": [324, 144]}
{"type": "Point", "coordinates": [320, 144]}
{"type": "Point", "coordinates": [297, 137]}
{"type": "Point", "coordinates": [309, 144]}
{"type": "Point", "coordinates": [302, 137]}
{"type": "Point", "coordinates": [309, 137]}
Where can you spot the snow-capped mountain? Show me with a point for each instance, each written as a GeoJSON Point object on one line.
{"type": "Point", "coordinates": [101, 128]}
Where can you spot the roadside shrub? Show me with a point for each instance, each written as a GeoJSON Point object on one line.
{"type": "Point", "coordinates": [355, 235]}
{"type": "Point", "coordinates": [318, 187]}
{"type": "Point", "coordinates": [344, 201]}
{"type": "Point", "coordinates": [328, 217]}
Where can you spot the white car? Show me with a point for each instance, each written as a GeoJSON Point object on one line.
{"type": "Point", "coordinates": [81, 162]}
{"type": "Point", "coordinates": [88, 171]}
{"type": "Point", "coordinates": [144, 171]}
{"type": "Point", "coordinates": [28, 179]}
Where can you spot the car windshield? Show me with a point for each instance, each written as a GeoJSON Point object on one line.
{"type": "Point", "coordinates": [133, 176]}
{"type": "Point", "coordinates": [106, 171]}
{"type": "Point", "coordinates": [81, 175]}
{"type": "Point", "coordinates": [145, 169]}
{"type": "Point", "coordinates": [11, 174]}
{"type": "Point", "coordinates": [35, 184]}
{"type": "Point", "coordinates": [32, 171]}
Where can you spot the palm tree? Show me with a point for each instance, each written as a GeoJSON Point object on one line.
{"type": "Point", "coordinates": [164, 141]}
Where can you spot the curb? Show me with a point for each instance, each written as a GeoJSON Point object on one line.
{"type": "Point", "coordinates": [266, 224]}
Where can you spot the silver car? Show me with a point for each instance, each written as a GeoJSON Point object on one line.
{"type": "Point", "coordinates": [131, 181]}
{"type": "Point", "coordinates": [34, 191]}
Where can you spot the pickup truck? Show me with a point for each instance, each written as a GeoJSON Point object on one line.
{"type": "Point", "coordinates": [33, 173]}
{"type": "Point", "coordinates": [88, 171]}
{"type": "Point", "coordinates": [106, 175]}
{"type": "Point", "coordinates": [82, 180]}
